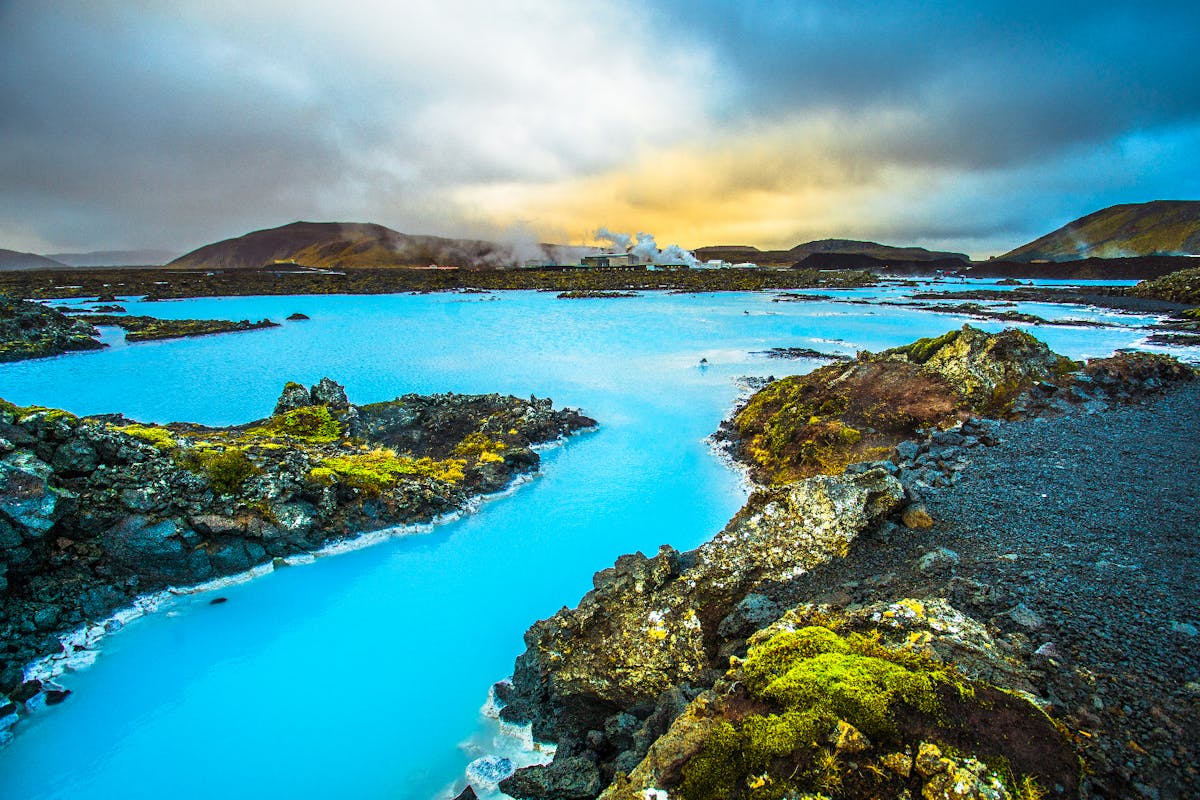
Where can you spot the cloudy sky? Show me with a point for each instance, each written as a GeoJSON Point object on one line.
{"type": "Point", "coordinates": [965, 126]}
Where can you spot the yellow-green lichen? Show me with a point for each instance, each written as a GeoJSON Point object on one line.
{"type": "Point", "coordinates": [50, 415]}
{"type": "Point", "coordinates": [377, 471]}
{"type": "Point", "coordinates": [480, 447]}
{"type": "Point", "coordinates": [156, 435]}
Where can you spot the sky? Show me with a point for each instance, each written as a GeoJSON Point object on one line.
{"type": "Point", "coordinates": [973, 127]}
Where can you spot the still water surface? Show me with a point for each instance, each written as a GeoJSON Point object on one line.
{"type": "Point", "coordinates": [362, 675]}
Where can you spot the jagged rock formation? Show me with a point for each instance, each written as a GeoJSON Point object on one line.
{"type": "Point", "coordinates": [98, 510]}
{"type": "Point", "coordinates": [605, 676]}
{"type": "Point", "coordinates": [148, 329]}
{"type": "Point", "coordinates": [716, 673]}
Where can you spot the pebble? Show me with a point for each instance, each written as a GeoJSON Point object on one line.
{"type": "Point", "coordinates": [938, 559]}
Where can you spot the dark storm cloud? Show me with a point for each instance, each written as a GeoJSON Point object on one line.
{"type": "Point", "coordinates": [110, 131]}
{"type": "Point", "coordinates": [993, 82]}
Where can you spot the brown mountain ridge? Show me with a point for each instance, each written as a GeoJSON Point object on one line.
{"type": "Point", "coordinates": [345, 244]}
{"type": "Point", "coordinates": [1157, 228]}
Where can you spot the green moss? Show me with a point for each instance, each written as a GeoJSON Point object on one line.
{"type": "Point", "coordinates": [839, 414]}
{"type": "Point", "coordinates": [920, 351]}
{"type": "Point", "coordinates": [776, 656]}
{"type": "Point", "coordinates": [766, 738]}
{"type": "Point", "coordinates": [1001, 398]}
{"type": "Point", "coordinates": [154, 434]}
{"type": "Point", "coordinates": [377, 471]}
{"type": "Point", "coordinates": [810, 679]}
{"type": "Point", "coordinates": [1065, 366]}
{"type": "Point", "coordinates": [313, 424]}
{"type": "Point", "coordinates": [225, 469]}
{"type": "Point", "coordinates": [717, 770]}
{"type": "Point", "coordinates": [859, 689]}
{"type": "Point", "coordinates": [325, 476]}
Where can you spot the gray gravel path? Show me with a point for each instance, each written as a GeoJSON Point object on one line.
{"type": "Point", "coordinates": [1093, 522]}
{"type": "Point", "coordinates": [1089, 527]}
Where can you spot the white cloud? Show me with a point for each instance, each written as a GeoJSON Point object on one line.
{"type": "Point", "coordinates": [243, 114]}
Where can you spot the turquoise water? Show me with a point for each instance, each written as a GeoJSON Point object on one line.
{"type": "Point", "coordinates": [361, 675]}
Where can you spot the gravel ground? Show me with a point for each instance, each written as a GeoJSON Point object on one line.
{"type": "Point", "coordinates": [1077, 540]}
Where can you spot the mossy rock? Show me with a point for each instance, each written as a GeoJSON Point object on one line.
{"type": "Point", "coordinates": [814, 711]}
{"type": "Point", "coordinates": [226, 469]}
{"type": "Point", "coordinates": [839, 414]}
{"type": "Point", "coordinates": [313, 424]}
{"type": "Point", "coordinates": [156, 435]}
{"type": "Point", "coordinates": [1177, 287]}
{"type": "Point", "coordinates": [380, 470]}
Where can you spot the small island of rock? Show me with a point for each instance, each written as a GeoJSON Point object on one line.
{"type": "Point", "coordinates": [96, 511]}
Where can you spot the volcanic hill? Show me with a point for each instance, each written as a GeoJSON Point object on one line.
{"type": "Point", "coordinates": [1161, 227]}
{"type": "Point", "coordinates": [344, 244]}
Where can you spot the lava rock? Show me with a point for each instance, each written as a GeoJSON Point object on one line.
{"type": "Point", "coordinates": [571, 778]}
{"type": "Point", "coordinates": [329, 393]}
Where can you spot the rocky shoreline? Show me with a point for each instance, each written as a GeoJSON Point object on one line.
{"type": "Point", "coordinates": [32, 330]}
{"type": "Point", "coordinates": [778, 660]}
{"type": "Point", "coordinates": [97, 512]}
{"type": "Point", "coordinates": [151, 329]}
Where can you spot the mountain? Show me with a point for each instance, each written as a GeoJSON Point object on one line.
{"type": "Point", "coordinates": [344, 244]}
{"type": "Point", "coordinates": [115, 258]}
{"type": "Point", "coordinates": [13, 260]}
{"type": "Point", "coordinates": [1161, 227]}
{"type": "Point", "coordinates": [874, 250]}
{"type": "Point", "coordinates": [845, 247]}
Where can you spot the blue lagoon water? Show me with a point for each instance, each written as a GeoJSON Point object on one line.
{"type": "Point", "coordinates": [362, 675]}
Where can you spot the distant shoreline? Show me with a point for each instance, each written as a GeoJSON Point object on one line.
{"type": "Point", "coordinates": [163, 283]}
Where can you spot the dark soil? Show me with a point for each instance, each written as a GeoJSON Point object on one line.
{"type": "Point", "coordinates": [1092, 522]}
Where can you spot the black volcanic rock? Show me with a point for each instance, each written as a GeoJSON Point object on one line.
{"type": "Point", "coordinates": [31, 330]}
